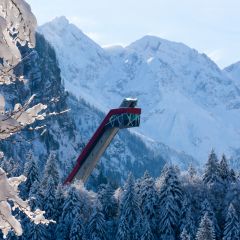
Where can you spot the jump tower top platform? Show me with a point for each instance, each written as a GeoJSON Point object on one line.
{"type": "Point", "coordinates": [126, 116]}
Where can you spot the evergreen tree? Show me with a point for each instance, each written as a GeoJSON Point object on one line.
{"type": "Point", "coordinates": [130, 213]}
{"type": "Point", "coordinates": [49, 205]}
{"type": "Point", "coordinates": [59, 198]}
{"type": "Point", "coordinates": [109, 208]}
{"type": "Point", "coordinates": [185, 235]}
{"type": "Point", "coordinates": [71, 208]}
{"type": "Point", "coordinates": [97, 226]}
{"type": "Point", "coordinates": [35, 199]}
{"type": "Point", "coordinates": [31, 172]}
{"type": "Point", "coordinates": [27, 227]}
{"type": "Point", "coordinates": [101, 178]}
{"type": "Point", "coordinates": [232, 227]}
{"type": "Point", "coordinates": [51, 169]}
{"type": "Point", "coordinates": [192, 172]}
{"type": "Point", "coordinates": [205, 230]}
{"type": "Point", "coordinates": [187, 222]}
{"type": "Point", "coordinates": [206, 208]}
{"type": "Point", "coordinates": [49, 200]}
{"type": "Point", "coordinates": [212, 174]}
{"type": "Point", "coordinates": [146, 231]}
{"type": "Point", "coordinates": [215, 188]}
{"type": "Point", "coordinates": [77, 230]}
{"type": "Point", "coordinates": [85, 202]}
{"type": "Point", "coordinates": [224, 171]}
{"type": "Point", "coordinates": [108, 202]}
{"type": "Point", "coordinates": [123, 230]}
{"type": "Point", "coordinates": [233, 175]}
{"type": "Point", "coordinates": [138, 185]}
{"type": "Point", "coordinates": [232, 197]}
{"type": "Point", "coordinates": [149, 201]}
{"type": "Point", "coordinates": [170, 202]}
{"type": "Point", "coordinates": [38, 232]}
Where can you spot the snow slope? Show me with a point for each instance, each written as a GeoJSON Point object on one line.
{"type": "Point", "coordinates": [233, 71]}
{"type": "Point", "coordinates": [188, 103]}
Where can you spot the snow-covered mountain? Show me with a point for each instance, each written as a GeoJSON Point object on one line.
{"type": "Point", "coordinates": [233, 71]}
{"type": "Point", "coordinates": [67, 133]}
{"type": "Point", "coordinates": [188, 103]}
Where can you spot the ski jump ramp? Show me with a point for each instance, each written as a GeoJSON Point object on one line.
{"type": "Point", "coordinates": [126, 116]}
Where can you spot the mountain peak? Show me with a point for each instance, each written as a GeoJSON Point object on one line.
{"type": "Point", "coordinates": [62, 20]}
{"type": "Point", "coordinates": [61, 27]}
{"type": "Point", "coordinates": [151, 38]}
{"type": "Point", "coordinates": [153, 43]}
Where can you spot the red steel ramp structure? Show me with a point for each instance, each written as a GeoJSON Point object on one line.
{"type": "Point", "coordinates": [126, 116]}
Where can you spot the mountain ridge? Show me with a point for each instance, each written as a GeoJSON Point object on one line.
{"type": "Point", "coordinates": [188, 102]}
{"type": "Point", "coordinates": [233, 71]}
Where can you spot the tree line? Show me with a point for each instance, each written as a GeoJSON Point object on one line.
{"type": "Point", "coordinates": [176, 205]}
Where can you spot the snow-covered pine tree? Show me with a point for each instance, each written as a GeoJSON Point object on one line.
{"type": "Point", "coordinates": [38, 232]}
{"type": "Point", "coordinates": [233, 175]}
{"type": "Point", "coordinates": [59, 199]}
{"type": "Point", "coordinates": [101, 178]}
{"type": "Point", "coordinates": [186, 218]}
{"type": "Point", "coordinates": [85, 201]}
{"type": "Point", "coordinates": [96, 229]}
{"type": "Point", "coordinates": [36, 200]}
{"type": "Point", "coordinates": [49, 205]}
{"type": "Point", "coordinates": [184, 235]}
{"type": "Point", "coordinates": [232, 225]}
{"type": "Point", "coordinates": [207, 208]}
{"type": "Point", "coordinates": [149, 201]}
{"type": "Point", "coordinates": [71, 208]}
{"type": "Point", "coordinates": [51, 169]}
{"type": "Point", "coordinates": [123, 230]}
{"type": "Point", "coordinates": [205, 230]}
{"type": "Point", "coordinates": [192, 172]}
{"type": "Point", "coordinates": [49, 200]}
{"type": "Point", "coordinates": [232, 197]}
{"type": "Point", "coordinates": [78, 229]}
{"type": "Point", "coordinates": [170, 202]}
{"type": "Point", "coordinates": [108, 202]}
{"type": "Point", "coordinates": [146, 230]}
{"type": "Point", "coordinates": [138, 186]}
{"type": "Point", "coordinates": [27, 227]}
{"type": "Point", "coordinates": [130, 212]}
{"type": "Point", "coordinates": [31, 171]}
{"type": "Point", "coordinates": [211, 174]}
{"type": "Point", "coordinates": [224, 171]}
{"type": "Point", "coordinates": [109, 207]}
{"type": "Point", "coordinates": [214, 187]}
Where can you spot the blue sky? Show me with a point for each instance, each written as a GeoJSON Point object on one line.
{"type": "Point", "coordinates": [210, 26]}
